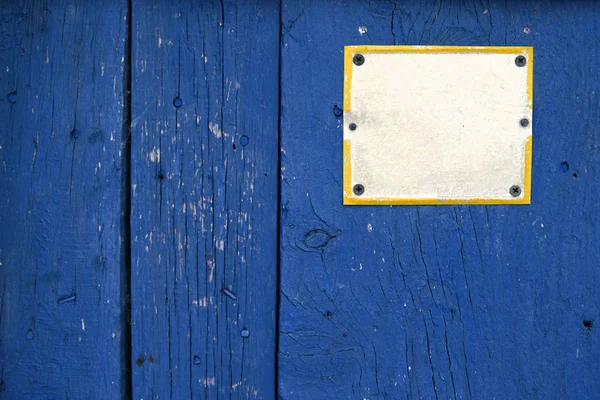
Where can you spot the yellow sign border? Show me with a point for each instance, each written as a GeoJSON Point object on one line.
{"type": "Point", "coordinates": [350, 51]}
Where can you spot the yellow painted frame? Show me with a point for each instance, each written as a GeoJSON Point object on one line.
{"type": "Point", "coordinates": [350, 51]}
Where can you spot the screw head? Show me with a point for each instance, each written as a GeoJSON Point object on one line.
{"type": "Point", "coordinates": [358, 59]}
{"type": "Point", "coordinates": [244, 140]}
{"type": "Point", "coordinates": [524, 122]}
{"type": "Point", "coordinates": [12, 97]}
{"type": "Point", "coordinates": [177, 102]}
{"type": "Point", "coordinates": [352, 126]}
{"type": "Point", "coordinates": [521, 61]}
{"type": "Point", "coordinates": [196, 360]}
{"type": "Point", "coordinates": [358, 189]}
{"type": "Point", "coordinates": [245, 333]}
{"type": "Point", "coordinates": [337, 111]}
{"type": "Point", "coordinates": [515, 190]}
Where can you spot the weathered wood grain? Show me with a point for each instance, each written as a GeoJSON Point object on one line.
{"type": "Point", "coordinates": [62, 199]}
{"type": "Point", "coordinates": [446, 301]}
{"type": "Point", "coordinates": [204, 198]}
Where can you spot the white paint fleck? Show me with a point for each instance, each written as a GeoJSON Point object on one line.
{"type": "Point", "coordinates": [101, 69]}
{"type": "Point", "coordinates": [485, 11]}
{"type": "Point", "coordinates": [542, 225]}
{"type": "Point", "coordinates": [362, 30]}
{"type": "Point", "coordinates": [214, 128]}
{"type": "Point", "coordinates": [155, 155]}
{"type": "Point", "coordinates": [203, 302]}
{"type": "Point", "coordinates": [82, 325]}
{"type": "Point", "coordinates": [208, 381]}
{"type": "Point", "coordinates": [370, 228]}
{"type": "Point", "coordinates": [526, 30]}
{"type": "Point", "coordinates": [114, 335]}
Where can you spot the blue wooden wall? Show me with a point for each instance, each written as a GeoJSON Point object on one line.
{"type": "Point", "coordinates": [171, 218]}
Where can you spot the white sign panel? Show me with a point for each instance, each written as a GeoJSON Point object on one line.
{"type": "Point", "coordinates": [437, 125]}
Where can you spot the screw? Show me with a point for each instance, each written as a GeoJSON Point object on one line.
{"type": "Point", "coordinates": [515, 190]}
{"type": "Point", "coordinates": [244, 140]}
{"type": "Point", "coordinates": [352, 126]}
{"type": "Point", "coordinates": [358, 189]}
{"type": "Point", "coordinates": [520, 61]}
{"type": "Point", "coordinates": [177, 102]}
{"type": "Point", "coordinates": [358, 59]}
{"type": "Point", "coordinates": [245, 333]}
{"type": "Point", "coordinates": [12, 97]}
{"type": "Point", "coordinates": [524, 122]}
{"type": "Point", "coordinates": [337, 111]}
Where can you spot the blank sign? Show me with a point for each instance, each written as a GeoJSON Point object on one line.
{"type": "Point", "coordinates": [437, 125]}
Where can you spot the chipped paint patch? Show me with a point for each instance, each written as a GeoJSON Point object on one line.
{"type": "Point", "coordinates": [154, 155]}
{"type": "Point", "coordinates": [218, 132]}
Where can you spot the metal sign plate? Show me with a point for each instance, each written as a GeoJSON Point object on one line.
{"type": "Point", "coordinates": [437, 125]}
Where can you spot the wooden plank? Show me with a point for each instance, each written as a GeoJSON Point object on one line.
{"type": "Point", "coordinates": [444, 301]}
{"type": "Point", "coordinates": [204, 198]}
{"type": "Point", "coordinates": [62, 166]}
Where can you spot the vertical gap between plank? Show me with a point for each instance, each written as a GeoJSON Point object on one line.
{"type": "Point", "coordinates": [278, 278]}
{"type": "Point", "coordinates": [126, 270]}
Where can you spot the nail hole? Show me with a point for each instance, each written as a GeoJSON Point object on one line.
{"type": "Point", "coordinates": [177, 102]}
{"type": "Point", "coordinates": [337, 111]}
{"type": "Point", "coordinates": [575, 175]}
{"type": "Point", "coordinates": [196, 360]}
{"type": "Point", "coordinates": [75, 133]}
{"type": "Point", "coordinates": [161, 176]}
{"type": "Point", "coordinates": [140, 361]}
{"type": "Point", "coordinates": [564, 166]}
{"type": "Point", "coordinates": [244, 140]}
{"type": "Point", "coordinates": [234, 146]}
{"type": "Point", "coordinates": [588, 324]}
{"type": "Point", "coordinates": [328, 314]}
